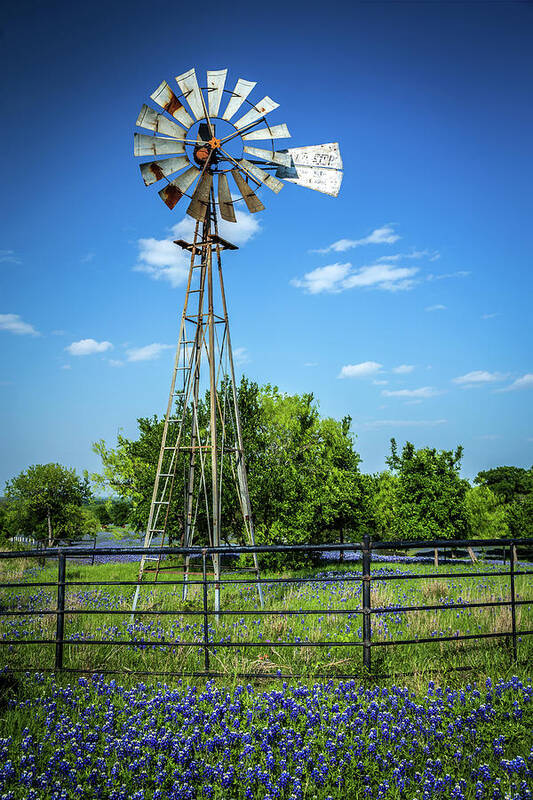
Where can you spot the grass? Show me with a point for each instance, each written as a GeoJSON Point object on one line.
{"type": "Point", "coordinates": [336, 601]}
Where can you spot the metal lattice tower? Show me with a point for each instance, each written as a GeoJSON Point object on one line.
{"type": "Point", "coordinates": [207, 449]}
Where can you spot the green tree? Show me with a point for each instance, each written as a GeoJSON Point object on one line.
{"type": "Point", "coordinates": [45, 502]}
{"type": "Point", "coordinates": [383, 502]}
{"type": "Point", "coordinates": [519, 515]}
{"type": "Point", "coordinates": [486, 514]}
{"type": "Point", "coordinates": [430, 494]}
{"type": "Point", "coordinates": [100, 510]}
{"type": "Point", "coordinates": [303, 471]}
{"type": "Point", "coordinates": [119, 511]}
{"type": "Point", "coordinates": [509, 483]}
{"type": "Point", "coordinates": [513, 486]}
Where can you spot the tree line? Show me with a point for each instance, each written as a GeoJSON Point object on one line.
{"type": "Point", "coordinates": [305, 482]}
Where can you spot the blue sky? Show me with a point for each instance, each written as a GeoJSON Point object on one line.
{"type": "Point", "coordinates": [405, 302]}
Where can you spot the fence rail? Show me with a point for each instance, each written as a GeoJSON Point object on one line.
{"type": "Point", "coordinates": [367, 644]}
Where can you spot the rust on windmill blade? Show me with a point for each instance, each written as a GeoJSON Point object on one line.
{"type": "Point", "coordinates": [181, 184]}
{"type": "Point", "coordinates": [171, 195]}
{"type": "Point", "coordinates": [156, 170]}
{"type": "Point", "coordinates": [153, 171]}
{"type": "Point", "coordinates": [165, 97]}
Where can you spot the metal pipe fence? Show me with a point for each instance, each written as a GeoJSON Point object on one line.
{"type": "Point", "coordinates": [365, 578]}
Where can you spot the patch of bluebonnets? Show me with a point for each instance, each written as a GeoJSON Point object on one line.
{"type": "Point", "coordinates": [98, 739]}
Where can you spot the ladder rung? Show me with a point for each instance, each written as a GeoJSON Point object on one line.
{"type": "Point", "coordinates": [166, 474]}
{"type": "Point", "coordinates": [161, 502]}
{"type": "Point", "coordinates": [157, 530]}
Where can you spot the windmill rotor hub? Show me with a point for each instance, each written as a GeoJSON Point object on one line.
{"type": "Point", "coordinates": [202, 153]}
{"type": "Point", "coordinates": [214, 143]}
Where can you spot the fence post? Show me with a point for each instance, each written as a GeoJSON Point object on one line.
{"type": "Point", "coordinates": [60, 611]}
{"type": "Point", "coordinates": [513, 596]}
{"type": "Point", "coordinates": [206, 622]}
{"type": "Point", "coordinates": [367, 627]}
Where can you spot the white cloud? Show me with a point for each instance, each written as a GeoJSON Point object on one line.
{"type": "Point", "coordinates": [9, 257]}
{"type": "Point", "coordinates": [383, 235]}
{"type": "Point", "coordinates": [461, 273]}
{"type": "Point", "coordinates": [87, 258]}
{"type": "Point", "coordinates": [404, 423]}
{"type": "Point", "coordinates": [382, 276]}
{"type": "Point", "coordinates": [161, 259]}
{"type": "Point", "coordinates": [422, 393]}
{"type": "Point", "coordinates": [311, 364]}
{"type": "Point", "coordinates": [433, 256]}
{"type": "Point", "coordinates": [380, 383]}
{"type": "Point", "coordinates": [323, 279]}
{"type": "Point", "coordinates": [66, 366]}
{"type": "Point", "coordinates": [490, 316]}
{"type": "Point", "coordinates": [336, 278]}
{"type": "Point", "coordinates": [362, 370]}
{"type": "Point", "coordinates": [478, 377]}
{"type": "Point", "coordinates": [148, 352]}
{"type": "Point", "coordinates": [14, 324]}
{"type": "Point", "coordinates": [86, 347]}
{"type": "Point", "coordinates": [438, 307]}
{"type": "Point", "coordinates": [58, 333]}
{"type": "Point", "coordinates": [241, 356]}
{"type": "Point", "coordinates": [113, 362]}
{"type": "Point", "coordinates": [525, 382]}
{"type": "Point", "coordinates": [403, 369]}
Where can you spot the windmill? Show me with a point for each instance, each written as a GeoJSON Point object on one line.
{"type": "Point", "coordinates": [200, 136]}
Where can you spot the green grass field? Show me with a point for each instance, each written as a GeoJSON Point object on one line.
{"type": "Point", "coordinates": [336, 601]}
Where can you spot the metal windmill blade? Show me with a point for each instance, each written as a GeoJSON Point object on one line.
{"type": "Point", "coordinates": [272, 132]}
{"type": "Point", "coordinates": [165, 97]}
{"type": "Point", "coordinates": [153, 171]}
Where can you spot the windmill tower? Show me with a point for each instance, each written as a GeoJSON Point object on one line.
{"type": "Point", "coordinates": [204, 142]}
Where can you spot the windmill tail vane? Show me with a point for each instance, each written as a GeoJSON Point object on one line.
{"type": "Point", "coordinates": [204, 143]}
